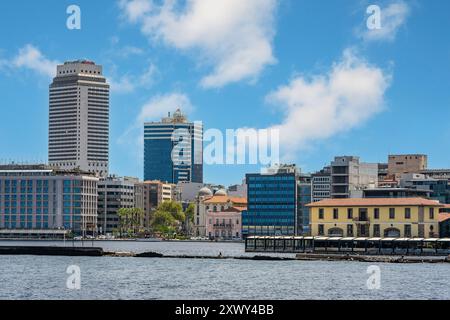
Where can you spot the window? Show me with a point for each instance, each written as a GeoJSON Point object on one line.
{"type": "Point", "coordinates": [407, 230]}
{"type": "Point", "coordinates": [376, 230]}
{"type": "Point", "coordinates": [350, 230]}
{"type": "Point", "coordinates": [350, 213]}
{"type": "Point", "coordinates": [407, 213]}
{"type": "Point", "coordinates": [391, 213]}
{"type": "Point", "coordinates": [335, 214]}
{"type": "Point", "coordinates": [376, 213]}
{"type": "Point", "coordinates": [431, 213]}
{"type": "Point", "coordinates": [321, 213]}
{"type": "Point", "coordinates": [321, 230]}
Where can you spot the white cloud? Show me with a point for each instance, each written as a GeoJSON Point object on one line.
{"type": "Point", "coordinates": [135, 9]}
{"type": "Point", "coordinates": [317, 108]}
{"type": "Point", "coordinates": [129, 83]}
{"type": "Point", "coordinates": [233, 37]}
{"type": "Point", "coordinates": [393, 17]}
{"type": "Point", "coordinates": [159, 106]}
{"type": "Point", "coordinates": [31, 58]}
{"type": "Point", "coordinates": [122, 85]}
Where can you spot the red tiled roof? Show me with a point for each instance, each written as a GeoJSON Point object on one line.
{"type": "Point", "coordinates": [225, 199]}
{"type": "Point", "coordinates": [362, 202]}
{"type": "Point", "coordinates": [444, 216]}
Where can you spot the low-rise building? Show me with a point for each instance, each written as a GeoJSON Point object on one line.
{"type": "Point", "coordinates": [44, 199]}
{"type": "Point", "coordinates": [154, 193]}
{"type": "Point", "coordinates": [114, 193]}
{"type": "Point", "coordinates": [378, 217]}
{"type": "Point", "coordinates": [444, 221]}
{"type": "Point", "coordinates": [225, 224]}
{"type": "Point", "coordinates": [220, 202]}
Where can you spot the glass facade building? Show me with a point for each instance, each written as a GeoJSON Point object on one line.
{"type": "Point", "coordinates": [304, 192]}
{"type": "Point", "coordinates": [272, 205]}
{"type": "Point", "coordinates": [173, 150]}
{"type": "Point", "coordinates": [36, 198]}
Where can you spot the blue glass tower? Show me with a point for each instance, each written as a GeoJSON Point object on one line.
{"type": "Point", "coordinates": [173, 150]}
{"type": "Point", "coordinates": [272, 203]}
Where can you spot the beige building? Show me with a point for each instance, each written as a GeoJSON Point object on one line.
{"type": "Point", "coordinates": [376, 217]}
{"type": "Point", "coordinates": [407, 163]}
{"type": "Point", "coordinates": [153, 194]}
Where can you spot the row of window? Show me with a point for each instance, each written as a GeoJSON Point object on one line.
{"type": "Point", "coordinates": [376, 213]}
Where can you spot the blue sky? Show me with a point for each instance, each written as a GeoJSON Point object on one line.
{"type": "Point", "coordinates": [311, 69]}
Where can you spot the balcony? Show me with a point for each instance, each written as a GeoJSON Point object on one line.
{"type": "Point", "coordinates": [361, 220]}
{"type": "Point", "coordinates": [223, 226]}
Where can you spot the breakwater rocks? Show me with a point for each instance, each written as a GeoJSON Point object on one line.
{"type": "Point", "coordinates": [367, 258]}
{"type": "Point", "coordinates": [51, 251]}
{"type": "Point", "coordinates": [98, 252]}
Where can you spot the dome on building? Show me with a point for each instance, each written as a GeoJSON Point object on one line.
{"type": "Point", "coordinates": [221, 192]}
{"type": "Point", "coordinates": [203, 192]}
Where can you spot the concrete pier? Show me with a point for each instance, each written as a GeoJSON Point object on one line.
{"type": "Point", "coordinates": [51, 251]}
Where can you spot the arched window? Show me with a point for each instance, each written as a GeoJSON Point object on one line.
{"type": "Point", "coordinates": [335, 232]}
{"type": "Point", "coordinates": [392, 233]}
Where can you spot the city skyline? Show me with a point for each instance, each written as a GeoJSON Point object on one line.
{"type": "Point", "coordinates": [394, 111]}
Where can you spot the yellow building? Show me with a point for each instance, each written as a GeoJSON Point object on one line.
{"type": "Point", "coordinates": [378, 217]}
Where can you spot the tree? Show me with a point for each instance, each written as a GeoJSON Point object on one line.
{"type": "Point", "coordinates": [190, 216]}
{"type": "Point", "coordinates": [174, 208]}
{"type": "Point", "coordinates": [168, 218]}
{"type": "Point", "coordinates": [190, 213]}
{"type": "Point", "coordinates": [130, 220]}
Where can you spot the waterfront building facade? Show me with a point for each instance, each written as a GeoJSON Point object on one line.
{"type": "Point", "coordinates": [173, 150]}
{"type": "Point", "coordinates": [41, 199]}
{"type": "Point", "coordinates": [380, 217]}
{"type": "Point", "coordinates": [155, 193]}
{"type": "Point", "coordinates": [114, 193]}
{"type": "Point", "coordinates": [224, 224]}
{"type": "Point", "coordinates": [79, 118]}
{"type": "Point", "coordinates": [349, 177]}
{"type": "Point", "coordinates": [272, 202]}
{"type": "Point", "coordinates": [216, 204]}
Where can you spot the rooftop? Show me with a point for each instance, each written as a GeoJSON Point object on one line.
{"type": "Point", "coordinates": [368, 202]}
{"type": "Point", "coordinates": [225, 199]}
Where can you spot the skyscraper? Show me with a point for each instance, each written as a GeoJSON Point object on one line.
{"type": "Point", "coordinates": [173, 150]}
{"type": "Point", "coordinates": [79, 118]}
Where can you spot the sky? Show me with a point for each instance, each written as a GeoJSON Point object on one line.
{"type": "Point", "coordinates": [311, 69]}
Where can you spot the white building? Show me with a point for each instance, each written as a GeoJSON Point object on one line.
{"type": "Point", "coordinates": [79, 118]}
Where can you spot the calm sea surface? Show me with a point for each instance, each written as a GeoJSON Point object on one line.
{"type": "Point", "coordinates": [44, 277]}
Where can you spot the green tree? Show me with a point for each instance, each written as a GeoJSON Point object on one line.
{"type": "Point", "coordinates": [130, 220]}
{"type": "Point", "coordinates": [168, 218]}
{"type": "Point", "coordinates": [190, 213]}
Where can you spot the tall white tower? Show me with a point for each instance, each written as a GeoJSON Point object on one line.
{"type": "Point", "coordinates": [79, 118]}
